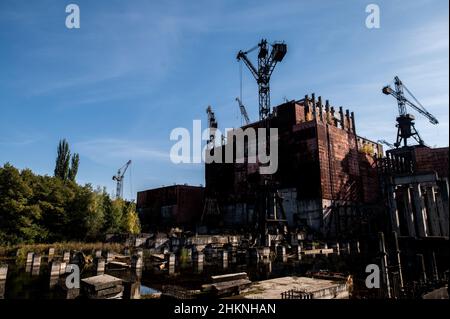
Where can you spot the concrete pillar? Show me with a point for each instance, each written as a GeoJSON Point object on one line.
{"type": "Point", "coordinates": [30, 257]}
{"type": "Point", "coordinates": [348, 248]}
{"type": "Point", "coordinates": [198, 261]}
{"type": "Point", "coordinates": [140, 253]}
{"type": "Point", "coordinates": [3, 271]}
{"type": "Point", "coordinates": [408, 211]}
{"type": "Point", "coordinates": [434, 266]}
{"type": "Point", "coordinates": [131, 290]}
{"type": "Point", "coordinates": [443, 221]}
{"type": "Point", "coordinates": [62, 269]}
{"type": "Point", "coordinates": [109, 256]}
{"type": "Point", "coordinates": [51, 253]}
{"type": "Point", "coordinates": [170, 262]}
{"type": "Point", "coordinates": [442, 199]}
{"type": "Point", "coordinates": [384, 266]}
{"type": "Point", "coordinates": [224, 258]}
{"type": "Point", "coordinates": [66, 256]}
{"type": "Point", "coordinates": [432, 212]}
{"type": "Point", "coordinates": [136, 262]}
{"type": "Point", "coordinates": [320, 106]}
{"type": "Point", "coordinates": [399, 262]}
{"type": "Point", "coordinates": [393, 211]}
{"type": "Point", "coordinates": [341, 117]}
{"type": "Point", "coordinates": [314, 111]}
{"type": "Point", "coordinates": [36, 266]}
{"type": "Point", "coordinates": [55, 269]}
{"type": "Point", "coordinates": [297, 251]}
{"type": "Point", "coordinates": [421, 267]}
{"type": "Point", "coordinates": [419, 211]}
{"type": "Point", "coordinates": [100, 265]}
{"type": "Point", "coordinates": [268, 240]}
{"type": "Point", "coordinates": [337, 249]}
{"type": "Point", "coordinates": [281, 253]}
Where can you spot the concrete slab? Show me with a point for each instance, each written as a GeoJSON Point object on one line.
{"type": "Point", "coordinates": [101, 282]}
{"type": "Point", "coordinates": [320, 288]}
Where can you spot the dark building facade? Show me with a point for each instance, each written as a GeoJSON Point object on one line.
{"type": "Point", "coordinates": [170, 206]}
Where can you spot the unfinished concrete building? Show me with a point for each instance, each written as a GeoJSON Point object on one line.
{"type": "Point", "coordinates": [326, 181]}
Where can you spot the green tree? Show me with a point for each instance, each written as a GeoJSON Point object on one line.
{"type": "Point", "coordinates": [130, 219]}
{"type": "Point", "coordinates": [73, 170]}
{"type": "Point", "coordinates": [62, 160]}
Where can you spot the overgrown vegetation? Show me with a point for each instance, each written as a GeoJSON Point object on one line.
{"type": "Point", "coordinates": [44, 209]}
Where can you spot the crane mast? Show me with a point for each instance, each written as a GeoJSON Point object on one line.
{"type": "Point", "coordinates": [243, 111]}
{"type": "Point", "coordinates": [405, 121]}
{"type": "Point", "coordinates": [262, 74]}
{"type": "Point", "coordinates": [119, 179]}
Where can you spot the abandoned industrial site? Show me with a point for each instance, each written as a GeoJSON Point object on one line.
{"type": "Point", "coordinates": [296, 194]}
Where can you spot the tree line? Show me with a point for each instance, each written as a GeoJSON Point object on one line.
{"type": "Point", "coordinates": [38, 209]}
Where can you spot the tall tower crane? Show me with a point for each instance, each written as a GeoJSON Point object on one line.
{"type": "Point", "coordinates": [262, 74]}
{"type": "Point", "coordinates": [119, 179]}
{"type": "Point", "coordinates": [243, 111]}
{"type": "Point", "coordinates": [405, 121]}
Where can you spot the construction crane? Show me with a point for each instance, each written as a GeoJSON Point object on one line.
{"type": "Point", "coordinates": [212, 124]}
{"type": "Point", "coordinates": [384, 142]}
{"type": "Point", "coordinates": [262, 74]}
{"type": "Point", "coordinates": [243, 111]}
{"type": "Point", "coordinates": [119, 179]}
{"type": "Point", "coordinates": [405, 121]}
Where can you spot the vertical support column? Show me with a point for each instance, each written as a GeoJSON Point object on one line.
{"type": "Point", "coordinates": [432, 211]}
{"type": "Point", "coordinates": [35, 268]}
{"type": "Point", "coordinates": [419, 210]}
{"type": "Point", "coordinates": [399, 262]}
{"type": "Point", "coordinates": [3, 271]}
{"type": "Point", "coordinates": [384, 265]}
{"type": "Point", "coordinates": [341, 117]}
{"type": "Point", "coordinates": [434, 266]}
{"type": "Point", "coordinates": [51, 253]}
{"type": "Point", "coordinates": [100, 263]}
{"type": "Point", "coordinates": [224, 258]}
{"type": "Point", "coordinates": [55, 271]}
{"type": "Point", "coordinates": [66, 256]}
{"type": "Point", "coordinates": [408, 211]}
{"type": "Point", "coordinates": [320, 107]}
{"type": "Point", "coordinates": [393, 211]}
{"type": "Point", "coordinates": [198, 261]}
{"type": "Point", "coordinates": [170, 262]}
{"type": "Point", "coordinates": [352, 117]}
{"type": "Point", "coordinates": [281, 253]}
{"type": "Point", "coordinates": [3, 275]}
{"type": "Point", "coordinates": [421, 266]}
{"type": "Point", "coordinates": [442, 200]}
{"type": "Point", "coordinates": [136, 262]}
{"type": "Point", "coordinates": [314, 111]}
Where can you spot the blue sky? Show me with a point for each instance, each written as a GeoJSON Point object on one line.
{"type": "Point", "coordinates": [135, 70]}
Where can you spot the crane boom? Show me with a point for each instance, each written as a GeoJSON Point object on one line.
{"type": "Point", "coordinates": [405, 121]}
{"type": "Point", "coordinates": [262, 74]}
{"type": "Point", "coordinates": [119, 179]}
{"type": "Point", "coordinates": [243, 111]}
